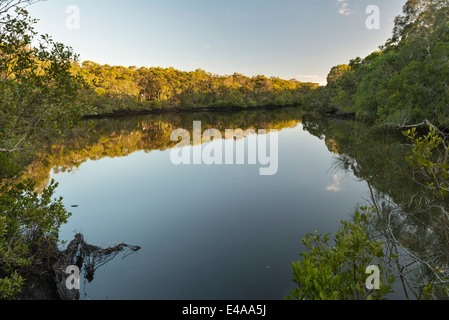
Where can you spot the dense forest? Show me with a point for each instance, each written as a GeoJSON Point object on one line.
{"type": "Point", "coordinates": [405, 81]}
{"type": "Point", "coordinates": [117, 88]}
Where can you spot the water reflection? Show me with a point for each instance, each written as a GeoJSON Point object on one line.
{"type": "Point", "coordinates": [411, 220]}
{"type": "Point", "coordinates": [81, 257]}
{"type": "Point", "coordinates": [111, 138]}
{"type": "Point", "coordinates": [336, 183]}
{"type": "Point", "coordinates": [205, 231]}
{"type": "Point", "coordinates": [212, 232]}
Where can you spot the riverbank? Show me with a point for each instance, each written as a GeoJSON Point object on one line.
{"type": "Point", "coordinates": [160, 111]}
{"type": "Point", "coordinates": [130, 112]}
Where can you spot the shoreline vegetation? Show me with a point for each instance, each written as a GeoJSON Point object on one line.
{"type": "Point", "coordinates": [131, 113]}
{"type": "Point", "coordinates": [45, 94]}
{"type": "Point", "coordinates": [113, 90]}
{"type": "Point", "coordinates": [139, 112]}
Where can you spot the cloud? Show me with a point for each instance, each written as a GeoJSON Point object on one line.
{"type": "Point", "coordinates": [336, 183]}
{"type": "Point", "coordinates": [344, 10]}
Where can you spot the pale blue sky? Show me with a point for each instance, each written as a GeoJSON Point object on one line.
{"type": "Point", "coordinates": [299, 39]}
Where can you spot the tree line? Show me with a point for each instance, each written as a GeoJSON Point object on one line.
{"type": "Point", "coordinates": [115, 88]}
{"type": "Point", "coordinates": [405, 81]}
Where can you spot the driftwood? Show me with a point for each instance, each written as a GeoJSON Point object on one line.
{"type": "Point", "coordinates": [86, 257]}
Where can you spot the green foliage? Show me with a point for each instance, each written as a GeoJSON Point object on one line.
{"type": "Point", "coordinates": [29, 227]}
{"type": "Point", "coordinates": [10, 286]}
{"type": "Point", "coordinates": [116, 88]}
{"type": "Point", "coordinates": [436, 292]}
{"type": "Point", "coordinates": [413, 210]}
{"type": "Point", "coordinates": [337, 272]}
{"type": "Point", "coordinates": [39, 94]}
{"type": "Point", "coordinates": [40, 103]}
{"type": "Point", "coordinates": [336, 73]}
{"type": "Point", "coordinates": [406, 80]}
{"type": "Point", "coordinates": [430, 155]}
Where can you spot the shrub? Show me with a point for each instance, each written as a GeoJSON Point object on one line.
{"type": "Point", "coordinates": [338, 272]}
{"type": "Point", "coordinates": [29, 228]}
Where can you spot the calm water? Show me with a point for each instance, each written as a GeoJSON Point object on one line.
{"type": "Point", "coordinates": [206, 232]}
